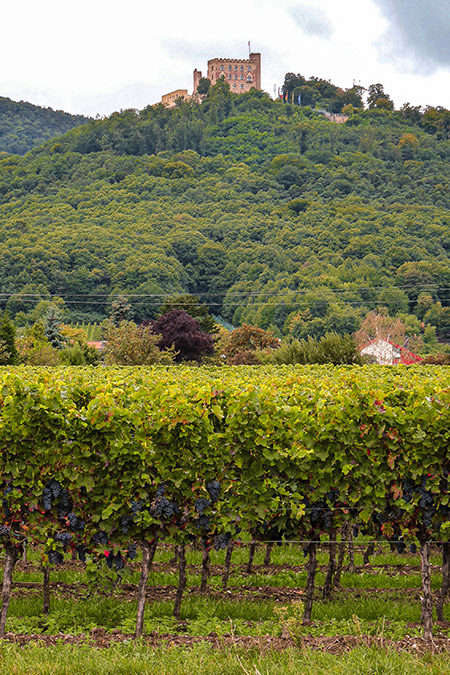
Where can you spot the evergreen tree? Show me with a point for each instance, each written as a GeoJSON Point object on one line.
{"type": "Point", "coordinates": [52, 326]}
{"type": "Point", "coordinates": [121, 310]}
{"type": "Point", "coordinates": [8, 351]}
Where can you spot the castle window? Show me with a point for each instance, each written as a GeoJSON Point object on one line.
{"type": "Point", "coordinates": [242, 77]}
{"type": "Point", "coordinates": [229, 67]}
{"type": "Point", "coordinates": [249, 78]}
{"type": "Point", "coordinates": [249, 68]}
{"type": "Point", "coordinates": [242, 86]}
{"type": "Point", "coordinates": [235, 77]}
{"type": "Point", "coordinates": [242, 67]}
{"type": "Point", "coordinates": [235, 67]}
{"type": "Point", "coordinates": [229, 76]}
{"type": "Point", "coordinates": [221, 67]}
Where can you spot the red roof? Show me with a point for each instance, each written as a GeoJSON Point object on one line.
{"type": "Point", "coordinates": [408, 357]}
{"type": "Point", "coordinates": [96, 344]}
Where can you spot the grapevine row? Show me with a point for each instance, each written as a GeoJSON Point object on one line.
{"type": "Point", "coordinates": [94, 460]}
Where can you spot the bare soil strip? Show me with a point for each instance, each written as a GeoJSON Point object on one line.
{"type": "Point", "coordinates": [332, 645]}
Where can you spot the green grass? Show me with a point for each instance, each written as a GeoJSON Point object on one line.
{"type": "Point", "coordinates": [292, 554]}
{"type": "Point", "coordinates": [134, 659]}
{"type": "Point", "coordinates": [373, 602]}
{"type": "Point", "coordinates": [247, 617]}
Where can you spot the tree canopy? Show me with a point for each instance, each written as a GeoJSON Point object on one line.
{"type": "Point", "coordinates": [264, 210]}
{"type": "Point", "coordinates": [24, 125]}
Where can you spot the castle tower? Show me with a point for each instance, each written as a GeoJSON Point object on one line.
{"type": "Point", "coordinates": [197, 78]}
{"type": "Point", "coordinates": [255, 60]}
{"type": "Point", "coordinates": [241, 74]}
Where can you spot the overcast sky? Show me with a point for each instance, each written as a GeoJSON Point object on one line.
{"type": "Point", "coordinates": [97, 56]}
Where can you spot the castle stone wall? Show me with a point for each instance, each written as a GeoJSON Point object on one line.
{"type": "Point", "coordinates": [241, 74]}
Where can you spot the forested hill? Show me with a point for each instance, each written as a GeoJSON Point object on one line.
{"type": "Point", "coordinates": [268, 211]}
{"type": "Point", "coordinates": [23, 126]}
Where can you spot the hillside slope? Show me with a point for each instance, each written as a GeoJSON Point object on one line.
{"type": "Point", "coordinates": [271, 213]}
{"type": "Point", "coordinates": [24, 126]}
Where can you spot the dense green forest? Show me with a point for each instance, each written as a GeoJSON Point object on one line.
{"type": "Point", "coordinates": [264, 209]}
{"type": "Point", "coordinates": [24, 126]}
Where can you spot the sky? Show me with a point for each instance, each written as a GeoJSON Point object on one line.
{"type": "Point", "coordinates": [97, 56]}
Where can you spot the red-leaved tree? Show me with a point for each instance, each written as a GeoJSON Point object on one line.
{"type": "Point", "coordinates": [177, 328]}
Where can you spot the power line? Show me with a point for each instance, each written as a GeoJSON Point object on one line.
{"type": "Point", "coordinates": [321, 289]}
{"type": "Point", "coordinates": [249, 304]}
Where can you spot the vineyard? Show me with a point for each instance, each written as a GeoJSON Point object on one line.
{"type": "Point", "coordinates": [267, 498]}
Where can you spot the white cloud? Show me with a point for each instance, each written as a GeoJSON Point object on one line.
{"type": "Point", "coordinates": [104, 55]}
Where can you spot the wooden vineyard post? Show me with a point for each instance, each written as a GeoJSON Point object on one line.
{"type": "Point", "coordinates": [226, 571]}
{"type": "Point", "coordinates": [12, 553]}
{"type": "Point", "coordinates": [251, 555]}
{"type": "Point", "coordinates": [174, 559]}
{"type": "Point", "coordinates": [341, 554]}
{"type": "Point", "coordinates": [46, 589]}
{"type": "Point", "coordinates": [328, 585]}
{"type": "Point", "coordinates": [148, 553]}
{"type": "Point", "coordinates": [367, 553]}
{"type": "Point", "coordinates": [309, 590]}
{"type": "Point", "coordinates": [205, 568]}
{"type": "Point", "coordinates": [427, 602]}
{"type": "Point", "coordinates": [445, 581]}
{"type": "Point", "coordinates": [268, 554]}
{"type": "Point", "coordinates": [181, 580]}
{"type": "Point", "coordinates": [351, 552]}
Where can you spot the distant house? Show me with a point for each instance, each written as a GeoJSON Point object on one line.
{"type": "Point", "coordinates": [99, 345]}
{"type": "Point", "coordinates": [386, 353]}
{"type": "Point", "coordinates": [170, 100]}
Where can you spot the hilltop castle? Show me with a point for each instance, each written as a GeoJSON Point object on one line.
{"type": "Point", "coordinates": [241, 74]}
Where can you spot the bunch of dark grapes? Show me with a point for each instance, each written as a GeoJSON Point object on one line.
{"type": "Point", "coordinates": [6, 509]}
{"type": "Point", "coordinates": [201, 504]}
{"type": "Point", "coordinates": [47, 499]}
{"type": "Point", "coordinates": [426, 500]}
{"type": "Point", "coordinates": [125, 523]}
{"type": "Point", "coordinates": [332, 495]}
{"type": "Point", "coordinates": [82, 551]}
{"type": "Point", "coordinates": [213, 489]}
{"type": "Point", "coordinates": [100, 538]}
{"type": "Point", "coordinates": [315, 515]}
{"type": "Point", "coordinates": [161, 490]}
{"type": "Point", "coordinates": [407, 489]}
{"type": "Point", "coordinates": [116, 561]}
{"type": "Point", "coordinates": [4, 530]}
{"type": "Point", "coordinates": [137, 507]}
{"type": "Point", "coordinates": [63, 538]}
{"type": "Point", "coordinates": [132, 552]}
{"type": "Point", "coordinates": [221, 541]}
{"type": "Point", "coordinates": [163, 508]}
{"type": "Point", "coordinates": [76, 523]}
{"type": "Point", "coordinates": [203, 523]}
{"type": "Point", "coordinates": [55, 557]}
{"type": "Point", "coordinates": [55, 488]}
{"type": "Point", "coordinates": [64, 504]}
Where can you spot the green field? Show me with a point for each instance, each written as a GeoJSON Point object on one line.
{"type": "Point", "coordinates": [371, 624]}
